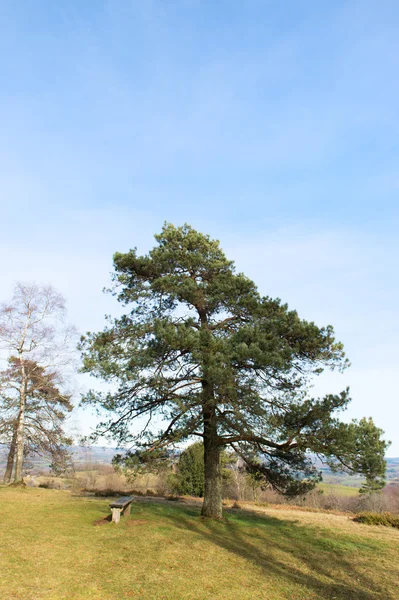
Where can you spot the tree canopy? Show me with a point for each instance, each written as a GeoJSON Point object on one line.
{"type": "Point", "coordinates": [38, 343]}
{"type": "Point", "coordinates": [200, 349]}
{"type": "Point", "coordinates": [46, 408]}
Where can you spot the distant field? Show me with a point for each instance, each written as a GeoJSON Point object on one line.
{"type": "Point", "coordinates": [339, 490]}
{"type": "Point", "coordinates": [99, 455]}
{"type": "Point", "coordinates": [59, 547]}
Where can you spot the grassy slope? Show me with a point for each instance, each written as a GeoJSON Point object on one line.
{"type": "Point", "coordinates": [50, 549]}
{"type": "Point", "coordinates": [339, 490]}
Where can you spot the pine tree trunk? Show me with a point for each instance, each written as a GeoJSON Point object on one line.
{"type": "Point", "coordinates": [21, 426]}
{"type": "Point", "coordinates": [11, 456]}
{"type": "Point", "coordinates": [212, 506]}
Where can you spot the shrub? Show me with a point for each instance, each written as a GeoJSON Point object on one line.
{"type": "Point", "coordinates": [372, 518]}
{"type": "Point", "coordinates": [108, 493]}
{"type": "Point", "coordinates": [54, 483]}
{"type": "Point", "coordinates": [189, 479]}
{"type": "Point", "coordinates": [391, 495]}
{"type": "Point", "coordinates": [372, 503]}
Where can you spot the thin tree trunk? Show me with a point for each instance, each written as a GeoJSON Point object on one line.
{"type": "Point", "coordinates": [21, 426]}
{"type": "Point", "coordinates": [212, 505]}
{"type": "Point", "coordinates": [11, 456]}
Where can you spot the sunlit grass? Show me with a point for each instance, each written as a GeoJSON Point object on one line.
{"type": "Point", "coordinates": [339, 490]}
{"type": "Point", "coordinates": [51, 549]}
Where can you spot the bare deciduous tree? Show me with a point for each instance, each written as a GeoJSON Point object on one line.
{"type": "Point", "coordinates": [47, 406]}
{"type": "Point", "coordinates": [34, 332]}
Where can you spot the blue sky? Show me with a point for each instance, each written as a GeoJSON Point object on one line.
{"type": "Point", "coordinates": [273, 126]}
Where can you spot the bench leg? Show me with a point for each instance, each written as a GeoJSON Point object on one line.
{"type": "Point", "coordinates": [116, 515]}
{"type": "Point", "coordinates": [128, 509]}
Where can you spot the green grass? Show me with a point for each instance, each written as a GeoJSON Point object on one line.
{"type": "Point", "coordinates": [51, 549]}
{"type": "Point", "coordinates": [339, 490]}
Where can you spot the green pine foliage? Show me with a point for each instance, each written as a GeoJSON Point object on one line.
{"type": "Point", "coordinates": [199, 348]}
{"type": "Point", "coordinates": [189, 478]}
{"type": "Point", "coordinates": [370, 449]}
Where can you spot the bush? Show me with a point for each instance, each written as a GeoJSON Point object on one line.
{"type": "Point", "coordinates": [54, 483]}
{"type": "Point", "coordinates": [371, 518]}
{"type": "Point", "coordinates": [189, 479]}
{"type": "Point", "coordinates": [391, 495]}
{"type": "Point", "coordinates": [372, 503]}
{"type": "Point", "coordinates": [109, 493]}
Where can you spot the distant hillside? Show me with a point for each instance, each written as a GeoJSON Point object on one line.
{"type": "Point", "coordinates": [356, 480]}
{"type": "Point", "coordinates": [96, 455]}
{"type": "Point", "coordinates": [101, 455]}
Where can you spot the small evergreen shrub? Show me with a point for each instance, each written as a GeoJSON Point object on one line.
{"type": "Point", "coordinates": [371, 518]}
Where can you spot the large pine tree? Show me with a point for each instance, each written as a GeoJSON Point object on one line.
{"type": "Point", "coordinates": [202, 349]}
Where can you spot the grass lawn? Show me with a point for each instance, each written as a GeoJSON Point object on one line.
{"type": "Point", "coordinates": [50, 548]}
{"type": "Point", "coordinates": [339, 490]}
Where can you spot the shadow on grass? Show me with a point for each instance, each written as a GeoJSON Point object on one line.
{"type": "Point", "coordinates": [103, 521]}
{"type": "Point", "coordinates": [318, 561]}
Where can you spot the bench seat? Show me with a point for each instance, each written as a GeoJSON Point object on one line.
{"type": "Point", "coordinates": [120, 506]}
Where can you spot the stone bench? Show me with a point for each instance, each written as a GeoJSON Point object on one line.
{"type": "Point", "coordinates": [120, 506]}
